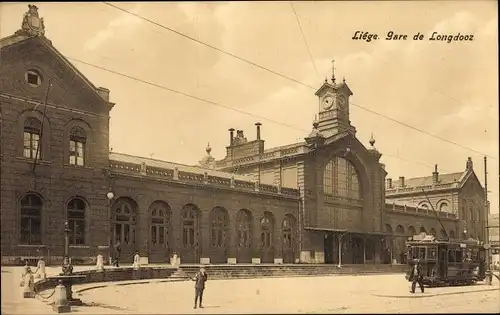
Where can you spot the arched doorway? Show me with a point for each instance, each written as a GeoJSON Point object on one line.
{"type": "Point", "coordinates": [190, 226]}
{"type": "Point", "coordinates": [160, 232]}
{"type": "Point", "coordinates": [218, 235]}
{"type": "Point", "coordinates": [289, 239]}
{"type": "Point", "coordinates": [124, 227]}
{"type": "Point", "coordinates": [244, 236]}
{"type": "Point", "coordinates": [387, 247]}
{"type": "Point", "coordinates": [267, 238]}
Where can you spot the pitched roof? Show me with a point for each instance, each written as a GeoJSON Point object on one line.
{"type": "Point", "coordinates": [17, 39]}
{"type": "Point", "coordinates": [132, 159]}
{"type": "Point", "coordinates": [427, 180]}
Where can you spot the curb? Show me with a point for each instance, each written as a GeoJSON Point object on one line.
{"type": "Point", "coordinates": [416, 296]}
{"type": "Point", "coordinates": [121, 284]}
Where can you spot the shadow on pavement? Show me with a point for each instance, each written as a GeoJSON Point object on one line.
{"type": "Point", "coordinates": [102, 305]}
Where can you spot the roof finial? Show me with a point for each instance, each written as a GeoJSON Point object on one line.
{"type": "Point", "coordinates": [372, 140]}
{"type": "Point", "coordinates": [208, 149]}
{"type": "Point", "coordinates": [315, 122]}
{"type": "Point", "coordinates": [326, 80]}
{"type": "Point", "coordinates": [333, 71]}
{"type": "Point", "coordinates": [343, 79]}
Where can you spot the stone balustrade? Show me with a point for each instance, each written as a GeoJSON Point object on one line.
{"type": "Point", "coordinates": [418, 189]}
{"type": "Point", "coordinates": [419, 211]}
{"type": "Point", "coordinates": [197, 175]}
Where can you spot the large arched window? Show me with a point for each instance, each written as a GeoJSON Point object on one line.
{"type": "Point", "coordinates": [289, 231]}
{"type": "Point", "coordinates": [76, 220]}
{"type": "Point", "coordinates": [160, 223]}
{"type": "Point", "coordinates": [218, 227]}
{"type": "Point", "coordinates": [125, 218]}
{"type": "Point", "coordinates": [341, 179]}
{"type": "Point", "coordinates": [189, 226]}
{"type": "Point", "coordinates": [31, 136]}
{"type": "Point", "coordinates": [77, 141]}
{"type": "Point", "coordinates": [266, 230]}
{"type": "Point", "coordinates": [244, 228]}
{"type": "Point", "coordinates": [422, 230]}
{"type": "Point", "coordinates": [31, 220]}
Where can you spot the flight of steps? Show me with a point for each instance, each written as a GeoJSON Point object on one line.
{"type": "Point", "coordinates": [259, 271]}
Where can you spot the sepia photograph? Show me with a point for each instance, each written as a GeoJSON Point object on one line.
{"type": "Point", "coordinates": [249, 157]}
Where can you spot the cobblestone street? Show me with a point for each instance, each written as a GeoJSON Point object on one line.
{"type": "Point", "coordinates": [333, 294]}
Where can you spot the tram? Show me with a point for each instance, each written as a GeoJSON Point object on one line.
{"type": "Point", "coordinates": [446, 262]}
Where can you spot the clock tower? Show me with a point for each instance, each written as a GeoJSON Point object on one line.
{"type": "Point", "coordinates": [333, 101]}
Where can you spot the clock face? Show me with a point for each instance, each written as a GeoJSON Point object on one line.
{"type": "Point", "coordinates": [327, 102]}
{"type": "Point", "coordinates": [342, 102]}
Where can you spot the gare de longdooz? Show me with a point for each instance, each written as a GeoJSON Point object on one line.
{"type": "Point", "coordinates": [306, 202]}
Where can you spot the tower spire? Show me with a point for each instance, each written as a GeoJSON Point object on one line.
{"type": "Point", "coordinates": [333, 71]}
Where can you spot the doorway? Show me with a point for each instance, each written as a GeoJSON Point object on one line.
{"type": "Point", "coordinates": [328, 248]}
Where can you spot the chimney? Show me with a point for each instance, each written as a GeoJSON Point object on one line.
{"type": "Point", "coordinates": [258, 130]}
{"type": "Point", "coordinates": [231, 136]}
{"type": "Point", "coordinates": [401, 181]}
{"type": "Point", "coordinates": [435, 175]}
{"type": "Point", "coordinates": [389, 183]}
{"type": "Point", "coordinates": [104, 93]}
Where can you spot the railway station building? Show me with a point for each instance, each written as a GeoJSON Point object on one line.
{"type": "Point", "coordinates": [324, 200]}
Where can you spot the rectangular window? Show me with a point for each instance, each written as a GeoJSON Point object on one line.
{"type": "Point", "coordinates": [162, 235]}
{"type": "Point", "coordinates": [76, 152]}
{"type": "Point", "coordinates": [31, 141]}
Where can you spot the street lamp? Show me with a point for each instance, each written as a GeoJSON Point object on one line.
{"type": "Point", "coordinates": [110, 195]}
{"type": "Point", "coordinates": [465, 233]}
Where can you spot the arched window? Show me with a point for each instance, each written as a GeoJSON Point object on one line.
{"type": "Point", "coordinates": [77, 140]}
{"type": "Point", "coordinates": [218, 227]}
{"type": "Point", "coordinates": [266, 230]}
{"type": "Point", "coordinates": [32, 133]}
{"type": "Point", "coordinates": [160, 223]}
{"type": "Point", "coordinates": [125, 216]}
{"type": "Point", "coordinates": [444, 207]}
{"type": "Point", "coordinates": [31, 220]}
{"type": "Point", "coordinates": [433, 232]}
{"type": "Point", "coordinates": [388, 228]}
{"type": "Point", "coordinates": [411, 231]}
{"type": "Point", "coordinates": [422, 230]}
{"type": "Point", "coordinates": [471, 211]}
{"type": "Point", "coordinates": [424, 206]}
{"type": "Point", "coordinates": [341, 179]}
{"type": "Point", "coordinates": [76, 220]}
{"type": "Point", "coordinates": [288, 232]}
{"type": "Point", "coordinates": [189, 226]}
{"type": "Point", "coordinates": [244, 228]}
{"type": "Point", "coordinates": [400, 230]}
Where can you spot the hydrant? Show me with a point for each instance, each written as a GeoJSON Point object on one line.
{"type": "Point", "coordinates": [60, 300]}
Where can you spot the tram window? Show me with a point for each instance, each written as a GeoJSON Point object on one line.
{"type": "Point", "coordinates": [451, 255]}
{"type": "Point", "coordinates": [432, 253]}
{"type": "Point", "coordinates": [421, 252]}
{"type": "Point", "coordinates": [458, 256]}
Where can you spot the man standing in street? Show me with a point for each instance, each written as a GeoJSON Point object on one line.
{"type": "Point", "coordinates": [417, 277]}
{"type": "Point", "coordinates": [200, 278]}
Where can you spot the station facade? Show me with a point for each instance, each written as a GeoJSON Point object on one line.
{"type": "Point", "coordinates": [324, 200]}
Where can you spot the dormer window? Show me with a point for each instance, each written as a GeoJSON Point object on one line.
{"type": "Point", "coordinates": [33, 78]}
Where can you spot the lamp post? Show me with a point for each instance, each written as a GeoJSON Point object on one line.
{"type": "Point", "coordinates": [67, 268]}
{"type": "Point", "coordinates": [110, 195]}
{"type": "Point", "coordinates": [465, 233]}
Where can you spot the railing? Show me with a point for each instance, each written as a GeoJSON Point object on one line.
{"type": "Point", "coordinates": [202, 177]}
{"type": "Point", "coordinates": [418, 189]}
{"type": "Point", "coordinates": [420, 211]}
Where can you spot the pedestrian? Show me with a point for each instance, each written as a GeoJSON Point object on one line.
{"type": "Point", "coordinates": [416, 276]}
{"type": "Point", "coordinates": [200, 278]}
{"type": "Point", "coordinates": [118, 251]}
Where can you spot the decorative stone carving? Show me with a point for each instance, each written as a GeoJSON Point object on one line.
{"type": "Point", "coordinates": [136, 263]}
{"type": "Point", "coordinates": [32, 24]}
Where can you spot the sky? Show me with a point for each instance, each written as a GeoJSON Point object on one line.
{"type": "Point", "coordinates": [446, 89]}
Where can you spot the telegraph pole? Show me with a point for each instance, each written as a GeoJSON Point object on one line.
{"type": "Point", "coordinates": [487, 212]}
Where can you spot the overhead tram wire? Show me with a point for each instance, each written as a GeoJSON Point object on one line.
{"type": "Point", "coordinates": [294, 80]}
{"type": "Point", "coordinates": [305, 40]}
{"type": "Point", "coordinates": [211, 102]}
